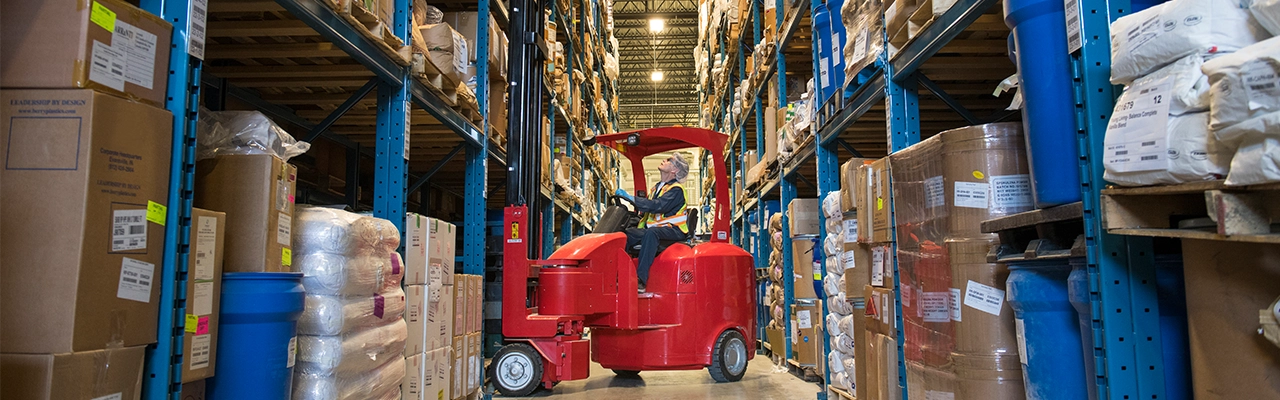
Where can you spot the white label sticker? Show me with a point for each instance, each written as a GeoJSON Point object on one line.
{"type": "Point", "coordinates": [860, 46]}
{"type": "Point", "coordinates": [284, 229]}
{"type": "Point", "coordinates": [971, 194]}
{"type": "Point", "coordinates": [1143, 33]}
{"type": "Point", "coordinates": [1136, 138]}
{"type": "Point", "coordinates": [206, 243]}
{"type": "Point", "coordinates": [139, 47]}
{"type": "Point", "coordinates": [795, 333]}
{"type": "Point", "coordinates": [955, 304]}
{"type": "Point", "coordinates": [848, 261]}
{"type": "Point", "coordinates": [984, 298]}
{"type": "Point", "coordinates": [200, 345]}
{"type": "Point", "coordinates": [804, 318]}
{"type": "Point", "coordinates": [113, 396]}
{"type": "Point", "coordinates": [135, 280]}
{"type": "Point", "coordinates": [107, 66]}
{"type": "Point", "coordinates": [202, 303]}
{"type": "Point", "coordinates": [936, 306]}
{"type": "Point", "coordinates": [293, 352]}
{"type": "Point", "coordinates": [934, 195]}
{"type": "Point", "coordinates": [1259, 79]}
{"type": "Point", "coordinates": [1011, 192]}
{"type": "Point", "coordinates": [128, 230]}
{"type": "Point", "coordinates": [1074, 40]}
{"type": "Point", "coordinates": [1022, 341]}
{"type": "Point", "coordinates": [822, 72]}
{"type": "Point", "coordinates": [196, 17]}
{"type": "Point", "coordinates": [886, 299]}
{"type": "Point", "coordinates": [850, 231]}
{"type": "Point", "coordinates": [408, 123]}
{"type": "Point", "coordinates": [877, 266]}
{"type": "Point", "coordinates": [906, 295]}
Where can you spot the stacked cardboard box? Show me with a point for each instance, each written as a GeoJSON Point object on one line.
{"type": "Point", "coordinates": [429, 286]}
{"type": "Point", "coordinates": [204, 292]}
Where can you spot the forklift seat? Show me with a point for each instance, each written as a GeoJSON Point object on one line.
{"type": "Point", "coordinates": [692, 221]}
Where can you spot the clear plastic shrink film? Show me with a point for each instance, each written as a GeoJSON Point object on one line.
{"type": "Point", "coordinates": [335, 315]}
{"type": "Point", "coordinates": [1267, 13]}
{"type": "Point", "coordinates": [841, 304]}
{"type": "Point", "coordinates": [1147, 40]}
{"type": "Point", "coordinates": [243, 132]}
{"type": "Point", "coordinates": [1244, 99]}
{"type": "Point", "coordinates": [327, 230]}
{"type": "Point", "coordinates": [351, 354]}
{"type": "Point", "coordinates": [865, 36]}
{"type": "Point", "coordinates": [332, 387]}
{"type": "Point", "coordinates": [336, 275]}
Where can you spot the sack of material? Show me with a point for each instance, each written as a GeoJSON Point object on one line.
{"type": "Point", "coordinates": [352, 354]}
{"type": "Point", "coordinates": [327, 230]}
{"type": "Point", "coordinates": [1149, 39]}
{"type": "Point", "coordinates": [336, 275]}
{"type": "Point", "coordinates": [1267, 12]}
{"type": "Point", "coordinates": [332, 387]}
{"type": "Point", "coordinates": [333, 315]}
{"type": "Point", "coordinates": [1257, 161]}
{"type": "Point", "coordinates": [1244, 97]}
{"type": "Point", "coordinates": [1191, 154]}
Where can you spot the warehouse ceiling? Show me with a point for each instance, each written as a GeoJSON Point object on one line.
{"type": "Point", "coordinates": [641, 101]}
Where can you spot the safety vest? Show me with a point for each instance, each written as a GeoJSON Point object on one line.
{"type": "Point", "coordinates": [680, 220]}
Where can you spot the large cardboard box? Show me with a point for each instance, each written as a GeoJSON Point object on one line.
{"type": "Point", "coordinates": [257, 193]}
{"type": "Point", "coordinates": [807, 333]}
{"type": "Point", "coordinates": [466, 23]}
{"type": "Point", "coordinates": [458, 390]}
{"type": "Point", "coordinates": [193, 390]}
{"type": "Point", "coordinates": [82, 214]}
{"type": "Point", "coordinates": [802, 266]}
{"type": "Point", "coordinates": [204, 293]}
{"type": "Point", "coordinates": [475, 362]}
{"type": "Point", "coordinates": [770, 135]}
{"type": "Point", "coordinates": [849, 184]}
{"type": "Point", "coordinates": [881, 310]}
{"type": "Point", "coordinates": [804, 216]}
{"type": "Point", "coordinates": [857, 263]}
{"type": "Point", "coordinates": [879, 201]}
{"type": "Point", "coordinates": [440, 329]}
{"type": "Point", "coordinates": [88, 375]}
{"type": "Point", "coordinates": [429, 251]}
{"type": "Point", "coordinates": [427, 375]}
{"type": "Point", "coordinates": [460, 305]}
{"type": "Point", "coordinates": [474, 302]}
{"type": "Point", "coordinates": [422, 312]}
{"type": "Point", "coordinates": [105, 45]}
{"type": "Point", "coordinates": [777, 340]}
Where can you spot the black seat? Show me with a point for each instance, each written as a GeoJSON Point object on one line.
{"type": "Point", "coordinates": [692, 221]}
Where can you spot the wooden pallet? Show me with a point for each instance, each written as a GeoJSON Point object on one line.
{"type": "Point", "coordinates": [1200, 210]}
{"type": "Point", "coordinates": [804, 372]}
{"type": "Point", "coordinates": [843, 394]}
{"type": "Point", "coordinates": [1048, 233]}
{"type": "Point", "coordinates": [366, 22]}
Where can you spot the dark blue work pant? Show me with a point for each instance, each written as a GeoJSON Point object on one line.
{"type": "Point", "coordinates": [648, 239]}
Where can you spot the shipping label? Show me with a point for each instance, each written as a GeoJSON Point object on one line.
{"type": "Point", "coordinates": [934, 194]}
{"type": "Point", "coordinates": [206, 244]}
{"type": "Point", "coordinates": [971, 194]}
{"type": "Point", "coordinates": [284, 229]}
{"type": "Point", "coordinates": [196, 21]}
{"type": "Point", "coordinates": [848, 261]}
{"type": "Point", "coordinates": [955, 304]}
{"type": "Point", "coordinates": [135, 280]}
{"type": "Point", "coordinates": [850, 231]}
{"type": "Point", "coordinates": [293, 352]}
{"type": "Point", "coordinates": [107, 66]}
{"type": "Point", "coordinates": [984, 298]}
{"type": "Point", "coordinates": [139, 47]}
{"type": "Point", "coordinates": [860, 46]}
{"type": "Point", "coordinates": [200, 345]}
{"type": "Point", "coordinates": [1011, 193]}
{"type": "Point", "coordinates": [202, 301]}
{"type": "Point", "coordinates": [128, 230]}
{"type": "Point", "coordinates": [877, 266]}
{"type": "Point", "coordinates": [1137, 134]}
{"type": "Point", "coordinates": [936, 306]}
{"type": "Point", "coordinates": [1259, 78]}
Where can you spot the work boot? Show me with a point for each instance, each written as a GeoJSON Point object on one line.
{"type": "Point", "coordinates": [640, 285]}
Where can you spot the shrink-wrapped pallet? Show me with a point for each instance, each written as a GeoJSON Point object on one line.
{"type": "Point", "coordinates": [351, 354]}
{"type": "Point", "coordinates": [335, 315]}
{"type": "Point", "coordinates": [332, 387]}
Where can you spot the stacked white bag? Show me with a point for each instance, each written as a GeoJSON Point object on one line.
{"type": "Point", "coordinates": [351, 335]}
{"type": "Point", "coordinates": [839, 307]}
{"type": "Point", "coordinates": [1245, 106]}
{"type": "Point", "coordinates": [1159, 132]}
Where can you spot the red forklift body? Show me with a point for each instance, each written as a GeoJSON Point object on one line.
{"type": "Point", "coordinates": [694, 296]}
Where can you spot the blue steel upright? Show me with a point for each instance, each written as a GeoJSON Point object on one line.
{"type": "Point", "coordinates": [902, 106]}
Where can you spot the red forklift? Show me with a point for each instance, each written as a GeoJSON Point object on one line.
{"type": "Point", "coordinates": [581, 303]}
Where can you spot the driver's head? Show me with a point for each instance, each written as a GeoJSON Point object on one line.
{"type": "Point", "coordinates": [677, 165]}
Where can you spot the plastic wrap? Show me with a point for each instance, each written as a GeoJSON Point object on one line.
{"type": "Point", "coordinates": [1267, 13]}
{"type": "Point", "coordinates": [843, 344]}
{"type": "Point", "coordinates": [845, 325]}
{"type": "Point", "coordinates": [432, 15]}
{"type": "Point", "coordinates": [840, 304]}
{"type": "Point", "coordinates": [320, 387]}
{"type": "Point", "coordinates": [1256, 161]}
{"type": "Point", "coordinates": [352, 354]}
{"type": "Point", "coordinates": [829, 286]}
{"type": "Point", "coordinates": [393, 394]}
{"type": "Point", "coordinates": [1234, 113]}
{"type": "Point", "coordinates": [865, 39]}
{"type": "Point", "coordinates": [243, 132]}
{"type": "Point", "coordinates": [333, 315]}
{"type": "Point", "coordinates": [327, 230]}
{"type": "Point", "coordinates": [337, 275]}
{"type": "Point", "coordinates": [835, 268]}
{"type": "Point", "coordinates": [1193, 155]}
{"type": "Point", "coordinates": [833, 319]}
{"type": "Point", "coordinates": [1149, 39]}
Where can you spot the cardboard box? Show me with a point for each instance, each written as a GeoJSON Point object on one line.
{"type": "Point", "coordinates": [498, 109]}
{"type": "Point", "coordinates": [96, 374]}
{"type": "Point", "coordinates": [466, 23]}
{"type": "Point", "coordinates": [803, 258]}
{"type": "Point", "coordinates": [777, 340]}
{"type": "Point", "coordinates": [880, 310]}
{"type": "Point", "coordinates": [81, 170]}
{"type": "Point", "coordinates": [849, 183]}
{"type": "Point", "coordinates": [193, 390]}
{"type": "Point", "coordinates": [861, 349]}
{"type": "Point", "coordinates": [857, 264]}
{"type": "Point", "coordinates": [770, 135]}
{"type": "Point", "coordinates": [257, 192]}
{"type": "Point", "coordinates": [427, 375]}
{"type": "Point", "coordinates": [807, 333]}
{"type": "Point", "coordinates": [475, 362]}
{"type": "Point", "coordinates": [475, 299]}
{"type": "Point", "coordinates": [460, 305]}
{"type": "Point", "coordinates": [429, 251]}
{"type": "Point", "coordinates": [458, 390]}
{"type": "Point", "coordinates": [804, 215]}
{"type": "Point", "coordinates": [879, 201]}
{"type": "Point", "coordinates": [112, 47]}
{"type": "Point", "coordinates": [422, 313]}
{"type": "Point", "coordinates": [204, 294]}
{"type": "Point", "coordinates": [439, 314]}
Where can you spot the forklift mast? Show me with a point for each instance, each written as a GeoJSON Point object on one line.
{"type": "Point", "coordinates": [525, 59]}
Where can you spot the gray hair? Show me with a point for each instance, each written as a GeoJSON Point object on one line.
{"type": "Point", "coordinates": [678, 158]}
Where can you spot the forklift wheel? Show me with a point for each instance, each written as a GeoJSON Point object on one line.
{"type": "Point", "coordinates": [626, 373]}
{"type": "Point", "coordinates": [729, 358]}
{"type": "Point", "coordinates": [516, 370]}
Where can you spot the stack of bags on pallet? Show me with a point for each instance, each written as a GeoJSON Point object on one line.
{"type": "Point", "coordinates": [865, 40]}
{"type": "Point", "coordinates": [774, 293]}
{"type": "Point", "coordinates": [1201, 88]}
{"type": "Point", "coordinates": [840, 305]}
{"type": "Point", "coordinates": [351, 335]}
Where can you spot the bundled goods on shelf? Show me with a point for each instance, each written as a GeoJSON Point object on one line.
{"type": "Point", "coordinates": [841, 306]}
{"type": "Point", "coordinates": [855, 263]}
{"type": "Point", "coordinates": [1248, 119]}
{"type": "Point", "coordinates": [774, 293]}
{"type": "Point", "coordinates": [445, 48]}
{"type": "Point", "coordinates": [352, 334]}
{"type": "Point", "coordinates": [865, 23]}
{"type": "Point", "coordinates": [958, 330]}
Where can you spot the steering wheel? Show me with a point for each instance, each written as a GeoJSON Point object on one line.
{"type": "Point", "coordinates": [623, 202]}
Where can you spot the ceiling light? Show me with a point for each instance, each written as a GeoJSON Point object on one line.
{"type": "Point", "coordinates": [657, 24]}
{"type": "Point", "coordinates": [656, 76]}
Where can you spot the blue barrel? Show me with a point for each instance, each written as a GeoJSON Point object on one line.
{"type": "Point", "coordinates": [822, 38]}
{"type": "Point", "coordinates": [258, 335]}
{"type": "Point", "coordinates": [1053, 362]}
{"type": "Point", "coordinates": [839, 38]}
{"type": "Point", "coordinates": [1078, 290]}
{"type": "Point", "coordinates": [1048, 111]}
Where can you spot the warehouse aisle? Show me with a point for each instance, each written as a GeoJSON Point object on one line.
{"type": "Point", "coordinates": [759, 383]}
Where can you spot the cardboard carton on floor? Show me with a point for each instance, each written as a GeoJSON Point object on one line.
{"type": "Point", "coordinates": [427, 375]}
{"type": "Point", "coordinates": [82, 211]}
{"type": "Point", "coordinates": [204, 292]}
{"type": "Point", "coordinates": [429, 250]}
{"type": "Point", "coordinates": [105, 45]}
{"type": "Point", "coordinates": [257, 193]}
{"type": "Point", "coordinates": [87, 375]}
{"type": "Point", "coordinates": [475, 362]}
{"type": "Point", "coordinates": [806, 335]}
{"type": "Point", "coordinates": [458, 372]}
{"type": "Point", "coordinates": [428, 308]}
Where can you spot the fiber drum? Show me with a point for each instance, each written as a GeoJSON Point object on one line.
{"type": "Point", "coordinates": [258, 331]}
{"type": "Point", "coordinates": [1048, 335]}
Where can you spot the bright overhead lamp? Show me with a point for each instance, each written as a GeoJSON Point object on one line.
{"type": "Point", "coordinates": [656, 76]}
{"type": "Point", "coordinates": [657, 24]}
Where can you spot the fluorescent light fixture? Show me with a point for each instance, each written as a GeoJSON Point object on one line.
{"type": "Point", "coordinates": [656, 76]}
{"type": "Point", "coordinates": [657, 24]}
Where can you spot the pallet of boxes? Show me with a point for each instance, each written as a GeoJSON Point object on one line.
{"type": "Point", "coordinates": [806, 313]}
{"type": "Point", "coordinates": [443, 355]}
{"type": "Point", "coordinates": [86, 150]}
{"type": "Point", "coordinates": [872, 205]}
{"type": "Point", "coordinates": [847, 274]}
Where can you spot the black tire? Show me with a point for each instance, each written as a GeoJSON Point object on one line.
{"type": "Point", "coordinates": [729, 357]}
{"type": "Point", "coordinates": [626, 373]}
{"type": "Point", "coordinates": [516, 370]}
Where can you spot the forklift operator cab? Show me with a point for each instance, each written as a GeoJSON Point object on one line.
{"type": "Point", "coordinates": [698, 310]}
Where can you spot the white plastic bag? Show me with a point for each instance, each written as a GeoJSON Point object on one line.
{"type": "Point", "coordinates": [327, 230]}
{"type": "Point", "coordinates": [1257, 161]}
{"type": "Point", "coordinates": [320, 387]}
{"type": "Point", "coordinates": [352, 354]}
{"type": "Point", "coordinates": [1193, 155]}
{"type": "Point", "coordinates": [1149, 39]}
{"type": "Point", "coordinates": [243, 132]}
{"type": "Point", "coordinates": [332, 315]}
{"type": "Point", "coordinates": [1267, 12]}
{"type": "Point", "coordinates": [338, 275]}
{"type": "Point", "coordinates": [1245, 92]}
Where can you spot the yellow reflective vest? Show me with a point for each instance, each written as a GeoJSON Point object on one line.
{"type": "Point", "coordinates": [679, 220]}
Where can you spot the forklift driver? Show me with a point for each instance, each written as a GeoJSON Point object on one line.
{"type": "Point", "coordinates": [663, 215]}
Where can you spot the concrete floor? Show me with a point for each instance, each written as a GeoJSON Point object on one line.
{"type": "Point", "coordinates": [760, 382]}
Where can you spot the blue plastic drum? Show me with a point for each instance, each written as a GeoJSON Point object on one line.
{"type": "Point", "coordinates": [257, 336]}
{"type": "Point", "coordinates": [1048, 334]}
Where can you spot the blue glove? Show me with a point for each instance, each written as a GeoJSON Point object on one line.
{"type": "Point", "coordinates": [625, 195]}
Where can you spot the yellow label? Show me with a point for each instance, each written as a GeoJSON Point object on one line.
{"type": "Point", "coordinates": [879, 203]}
{"type": "Point", "coordinates": [817, 276]}
{"type": "Point", "coordinates": [192, 322]}
{"type": "Point", "coordinates": [978, 174]}
{"type": "Point", "coordinates": [515, 230]}
{"type": "Point", "coordinates": [286, 256]}
{"type": "Point", "coordinates": [103, 16]}
{"type": "Point", "coordinates": [156, 212]}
